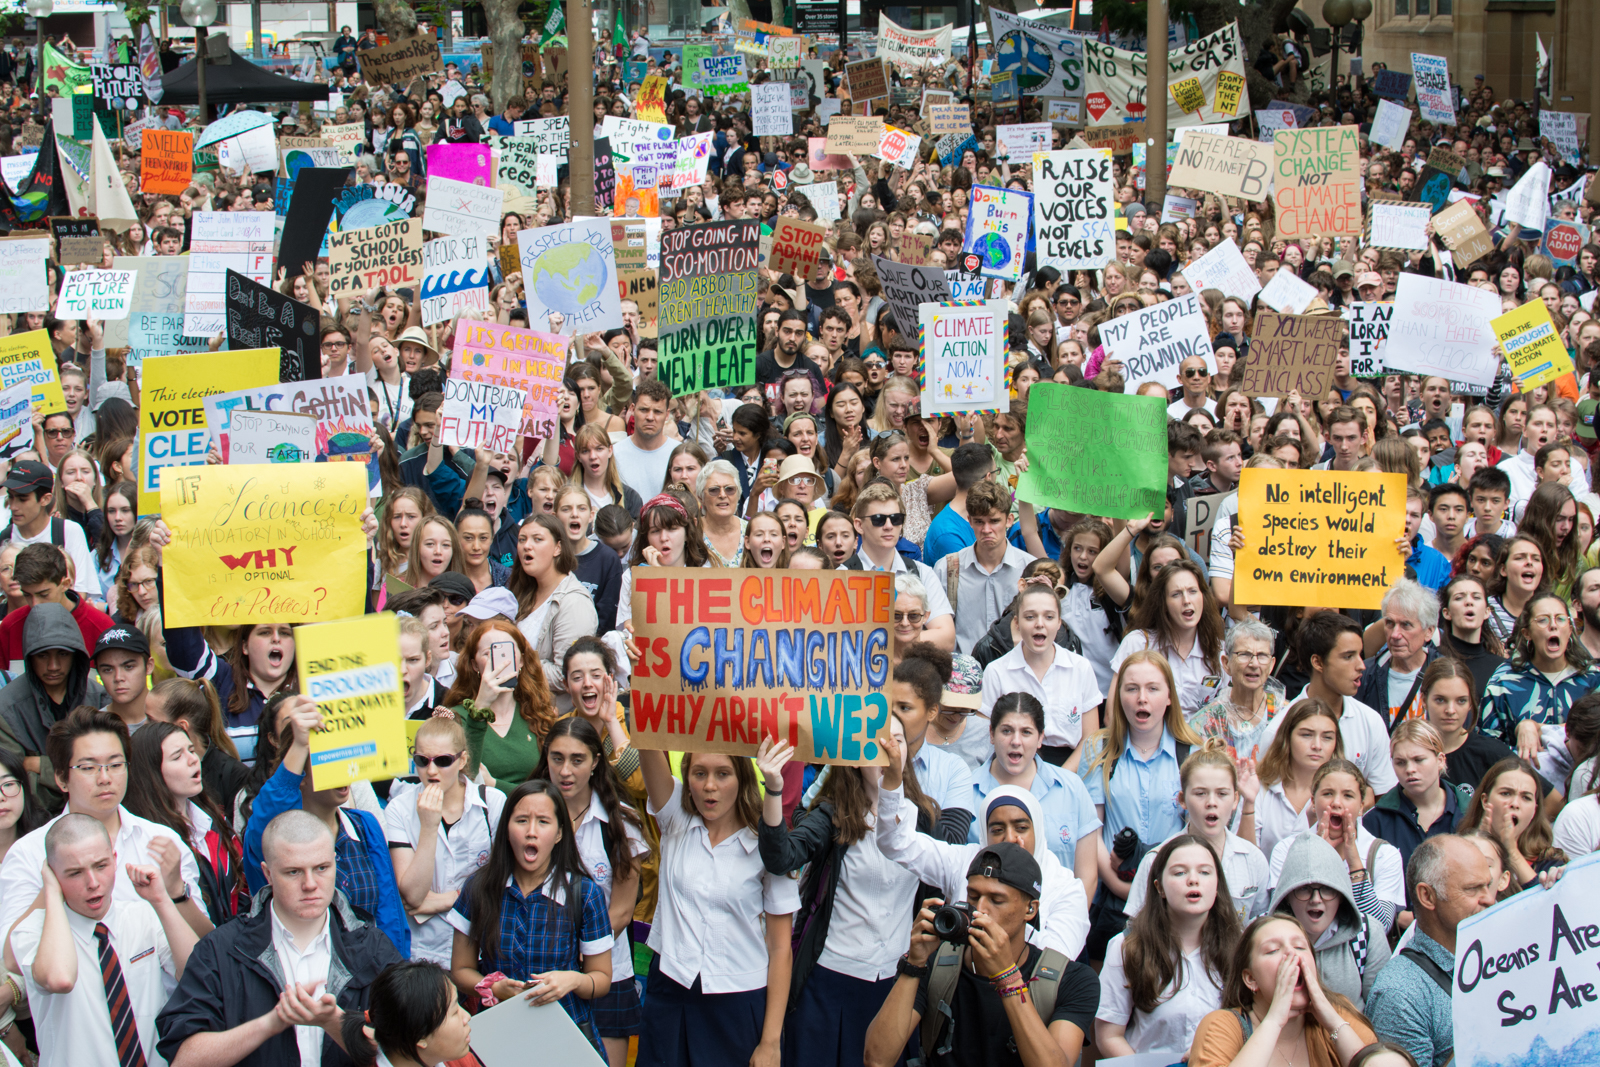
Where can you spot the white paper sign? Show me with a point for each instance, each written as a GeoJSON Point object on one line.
{"type": "Point", "coordinates": [15, 169]}
{"type": "Point", "coordinates": [570, 270]}
{"type": "Point", "coordinates": [1390, 125]}
{"type": "Point", "coordinates": [824, 196]}
{"type": "Point", "coordinates": [220, 241]}
{"type": "Point", "coordinates": [964, 351]}
{"type": "Point", "coordinates": [269, 437]}
{"type": "Point", "coordinates": [95, 294]}
{"type": "Point", "coordinates": [1287, 294]}
{"type": "Point", "coordinates": [1019, 142]}
{"type": "Point", "coordinates": [459, 208]}
{"type": "Point", "coordinates": [551, 136]}
{"type": "Point", "coordinates": [1528, 202]}
{"type": "Point", "coordinates": [1431, 74]}
{"type": "Point", "coordinates": [1402, 226]}
{"type": "Point", "coordinates": [24, 284]}
{"type": "Point", "coordinates": [1074, 192]}
{"type": "Point", "coordinates": [1369, 330]}
{"type": "Point", "coordinates": [1151, 343]}
{"type": "Point", "coordinates": [899, 147]}
{"type": "Point", "coordinates": [1065, 111]}
{"type": "Point", "coordinates": [1223, 268]}
{"type": "Point", "coordinates": [252, 152]}
{"type": "Point", "coordinates": [455, 278]}
{"type": "Point", "coordinates": [1174, 207]}
{"type": "Point", "coordinates": [16, 412]}
{"type": "Point", "coordinates": [769, 109]}
{"type": "Point", "coordinates": [1443, 328]}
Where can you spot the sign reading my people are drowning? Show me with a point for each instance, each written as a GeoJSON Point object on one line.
{"type": "Point", "coordinates": [728, 659]}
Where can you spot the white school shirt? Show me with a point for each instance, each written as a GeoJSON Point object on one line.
{"type": "Point", "coordinates": [1388, 873]}
{"type": "Point", "coordinates": [1063, 905]}
{"type": "Point", "coordinates": [709, 919]}
{"type": "Point", "coordinates": [871, 920]}
{"type": "Point", "coordinates": [938, 600]}
{"type": "Point", "coordinates": [1180, 407]}
{"type": "Point", "coordinates": [1220, 562]}
{"type": "Point", "coordinates": [1365, 735]}
{"type": "Point", "coordinates": [308, 966]}
{"type": "Point", "coordinates": [1577, 831]}
{"type": "Point", "coordinates": [1171, 1025]}
{"type": "Point", "coordinates": [86, 576]}
{"type": "Point", "coordinates": [590, 837]}
{"type": "Point", "coordinates": [1198, 684]}
{"type": "Point", "coordinates": [75, 1028]}
{"type": "Point", "coordinates": [1243, 864]}
{"type": "Point", "coordinates": [457, 854]}
{"type": "Point", "coordinates": [1277, 819]}
{"type": "Point", "coordinates": [1068, 689]}
{"type": "Point", "coordinates": [20, 879]}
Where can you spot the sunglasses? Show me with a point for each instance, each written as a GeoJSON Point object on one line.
{"type": "Point", "coordinates": [440, 762]}
{"type": "Point", "coordinates": [1197, 372]}
{"type": "Point", "coordinates": [898, 518]}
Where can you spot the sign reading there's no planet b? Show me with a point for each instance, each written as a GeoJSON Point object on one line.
{"type": "Point", "coordinates": [455, 278]}
{"type": "Point", "coordinates": [570, 270]}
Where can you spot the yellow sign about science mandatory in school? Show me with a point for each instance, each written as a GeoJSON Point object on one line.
{"type": "Point", "coordinates": [351, 668]}
{"type": "Point", "coordinates": [264, 543]}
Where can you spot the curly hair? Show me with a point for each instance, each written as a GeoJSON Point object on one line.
{"type": "Point", "coordinates": [532, 692]}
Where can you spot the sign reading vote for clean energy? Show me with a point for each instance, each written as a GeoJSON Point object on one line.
{"type": "Point", "coordinates": [354, 676]}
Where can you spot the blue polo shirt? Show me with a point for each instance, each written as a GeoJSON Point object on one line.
{"type": "Point", "coordinates": [1068, 812]}
{"type": "Point", "coordinates": [1431, 566]}
{"type": "Point", "coordinates": [1143, 794]}
{"type": "Point", "coordinates": [944, 777]}
{"type": "Point", "coordinates": [948, 532]}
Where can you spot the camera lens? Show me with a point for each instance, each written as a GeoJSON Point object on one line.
{"type": "Point", "coordinates": [952, 922]}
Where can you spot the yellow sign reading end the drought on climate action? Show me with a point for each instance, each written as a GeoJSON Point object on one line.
{"type": "Point", "coordinates": [1319, 538]}
{"type": "Point", "coordinates": [352, 669]}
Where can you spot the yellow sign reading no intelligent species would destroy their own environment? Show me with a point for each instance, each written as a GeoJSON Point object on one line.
{"type": "Point", "coordinates": [352, 669]}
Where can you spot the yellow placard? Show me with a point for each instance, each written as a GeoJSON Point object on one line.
{"type": "Point", "coordinates": [267, 542]}
{"type": "Point", "coordinates": [28, 357]}
{"type": "Point", "coordinates": [652, 99]}
{"type": "Point", "coordinates": [1532, 346]}
{"type": "Point", "coordinates": [1319, 538]}
{"type": "Point", "coordinates": [1189, 94]}
{"type": "Point", "coordinates": [172, 414]}
{"type": "Point", "coordinates": [352, 669]}
{"type": "Point", "coordinates": [1230, 87]}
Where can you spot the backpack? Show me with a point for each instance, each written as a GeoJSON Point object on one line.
{"type": "Point", "coordinates": [58, 531]}
{"type": "Point", "coordinates": [1043, 986]}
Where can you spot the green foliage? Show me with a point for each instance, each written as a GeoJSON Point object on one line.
{"type": "Point", "coordinates": [1123, 17]}
{"type": "Point", "coordinates": [138, 12]}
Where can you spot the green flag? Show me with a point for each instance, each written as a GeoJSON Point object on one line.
{"type": "Point", "coordinates": [62, 73]}
{"type": "Point", "coordinates": [554, 23]}
{"type": "Point", "coordinates": [619, 35]}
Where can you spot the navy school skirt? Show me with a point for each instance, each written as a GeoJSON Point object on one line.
{"type": "Point", "coordinates": [684, 1027]}
{"type": "Point", "coordinates": [828, 1027]}
{"type": "Point", "coordinates": [617, 1014]}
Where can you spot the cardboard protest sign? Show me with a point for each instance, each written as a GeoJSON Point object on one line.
{"type": "Point", "coordinates": [455, 277]}
{"type": "Point", "coordinates": [1152, 342]}
{"type": "Point", "coordinates": [24, 282]}
{"type": "Point", "coordinates": [95, 294]}
{"type": "Point", "coordinates": [769, 110]}
{"type": "Point", "coordinates": [997, 230]}
{"type": "Point", "coordinates": [867, 83]}
{"type": "Point", "coordinates": [1285, 292]}
{"type": "Point", "coordinates": [1227, 166]}
{"type": "Point", "coordinates": [1434, 99]}
{"type": "Point", "coordinates": [1069, 466]}
{"type": "Point", "coordinates": [915, 247]}
{"type": "Point", "coordinates": [640, 286]}
{"type": "Point", "coordinates": [261, 317]}
{"type": "Point", "coordinates": [1459, 227]}
{"type": "Point", "coordinates": [1369, 330]}
{"type": "Point", "coordinates": [945, 119]}
{"type": "Point", "coordinates": [906, 287]}
{"type": "Point", "coordinates": [854, 135]}
{"type": "Point", "coordinates": [1067, 112]}
{"type": "Point", "coordinates": [1223, 268]}
{"type": "Point", "coordinates": [796, 247]}
{"type": "Point", "coordinates": [459, 208]}
{"type": "Point", "coordinates": [723, 75]}
{"type": "Point", "coordinates": [527, 361]}
{"type": "Point", "coordinates": [1390, 126]}
{"type": "Point", "coordinates": [389, 255]}
{"type": "Point", "coordinates": [1532, 345]}
{"type": "Point", "coordinates": [354, 676]}
{"type": "Point", "coordinates": [569, 270]}
{"type": "Point", "coordinates": [401, 63]}
{"type": "Point", "coordinates": [797, 655]}
{"type": "Point", "coordinates": [172, 424]}
{"type": "Point", "coordinates": [1391, 84]}
{"type": "Point", "coordinates": [78, 240]}
{"type": "Point", "coordinates": [28, 358]}
{"type": "Point", "coordinates": [269, 437]}
{"type": "Point", "coordinates": [1202, 515]}
{"type": "Point", "coordinates": [1399, 226]}
{"type": "Point", "coordinates": [1292, 353]}
{"type": "Point", "coordinates": [708, 300]}
{"type": "Point", "coordinates": [349, 136]}
{"type": "Point", "coordinates": [1321, 538]}
{"type": "Point", "coordinates": [1074, 208]}
{"type": "Point", "coordinates": [899, 147]}
{"type": "Point", "coordinates": [263, 544]}
{"type": "Point", "coordinates": [963, 357]}
{"type": "Point", "coordinates": [1442, 328]}
{"type": "Point", "coordinates": [1317, 182]}
{"type": "Point", "coordinates": [1118, 140]}
{"type": "Point", "coordinates": [480, 414]}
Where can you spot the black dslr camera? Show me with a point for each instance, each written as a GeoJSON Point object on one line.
{"type": "Point", "coordinates": [953, 923]}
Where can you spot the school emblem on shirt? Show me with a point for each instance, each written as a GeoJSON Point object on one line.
{"type": "Point", "coordinates": [1074, 715]}
{"type": "Point", "coordinates": [141, 955]}
{"type": "Point", "coordinates": [483, 857]}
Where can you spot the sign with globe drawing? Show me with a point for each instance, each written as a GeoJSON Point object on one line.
{"type": "Point", "coordinates": [997, 230]}
{"type": "Point", "coordinates": [571, 271]}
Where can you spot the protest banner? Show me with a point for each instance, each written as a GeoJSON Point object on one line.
{"type": "Point", "coordinates": [24, 282]}
{"type": "Point", "coordinates": [77, 240]}
{"type": "Point", "coordinates": [305, 225]}
{"type": "Point", "coordinates": [723, 75]}
{"type": "Point", "coordinates": [796, 655]}
{"type": "Point", "coordinates": [769, 110]}
{"type": "Point", "coordinates": [1390, 126]}
{"type": "Point", "coordinates": [1369, 330]}
{"type": "Point", "coordinates": [268, 437]}
{"type": "Point", "coordinates": [1531, 343]}
{"type": "Point", "coordinates": [1442, 328]}
{"type": "Point", "coordinates": [1560, 128]}
{"type": "Point", "coordinates": [527, 361]}
{"type": "Point", "coordinates": [1046, 61]}
{"type": "Point", "coordinates": [1317, 182]}
{"type": "Point", "coordinates": [1319, 538]}
{"type": "Point", "coordinates": [1434, 98]}
{"type": "Point", "coordinates": [1115, 80]}
{"type": "Point", "coordinates": [1391, 84]}
{"type": "Point", "coordinates": [480, 415]}
{"type": "Point", "coordinates": [1118, 140]}
{"type": "Point", "coordinates": [466, 163]}
{"type": "Point", "coordinates": [1178, 207]}
{"type": "Point", "coordinates": [361, 206]}
{"type": "Point", "coordinates": [1067, 112]}
{"type": "Point", "coordinates": [915, 247]}
{"type": "Point", "coordinates": [1069, 467]}
{"type": "Point", "coordinates": [853, 135]}
{"type": "Point", "coordinates": [1447, 160]}
{"type": "Point", "coordinates": [1227, 166]}
{"type": "Point", "coordinates": [95, 294]}
{"type": "Point", "coordinates": [786, 52]}
{"type": "Point", "coordinates": [1563, 241]}
{"type": "Point", "coordinates": [1399, 226]}
{"type": "Point", "coordinates": [351, 668]}
{"type": "Point", "coordinates": [1153, 341]}
{"type": "Point", "coordinates": [997, 230]}
{"type": "Point", "coordinates": [16, 415]}
{"type": "Point", "coordinates": [1018, 142]}
{"type": "Point", "coordinates": [29, 359]}
{"type": "Point", "coordinates": [259, 316]}
{"type": "Point", "coordinates": [952, 146]}
{"type": "Point", "coordinates": [1223, 268]}
{"type": "Point", "coordinates": [708, 300]}
{"type": "Point", "coordinates": [401, 63]}
{"type": "Point", "coordinates": [964, 356]}
{"type": "Point", "coordinates": [946, 119]}
{"type": "Point", "coordinates": [796, 247]}
{"type": "Point", "coordinates": [220, 241]}
{"type": "Point", "coordinates": [263, 544]}
{"type": "Point", "coordinates": [172, 424]}
{"type": "Point", "coordinates": [1459, 227]}
{"type": "Point", "coordinates": [461, 209]}
{"type": "Point", "coordinates": [1074, 208]}
{"type": "Point", "coordinates": [1292, 353]}
{"type": "Point", "coordinates": [651, 103]}
{"type": "Point", "coordinates": [1286, 293]}
{"type": "Point", "coordinates": [389, 255]}
{"type": "Point", "coordinates": [906, 287]}
{"type": "Point", "coordinates": [868, 84]}
{"type": "Point", "coordinates": [569, 270]}
{"type": "Point", "coordinates": [1202, 515]}
{"type": "Point", "coordinates": [913, 48]}
{"type": "Point", "coordinates": [693, 158]}
{"type": "Point", "coordinates": [455, 278]}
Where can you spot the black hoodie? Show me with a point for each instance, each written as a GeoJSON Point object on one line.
{"type": "Point", "coordinates": [26, 710]}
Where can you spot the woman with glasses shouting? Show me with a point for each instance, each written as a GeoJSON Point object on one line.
{"type": "Point", "coordinates": [439, 833]}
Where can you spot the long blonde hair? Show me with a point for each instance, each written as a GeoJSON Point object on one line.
{"type": "Point", "coordinates": [588, 437]}
{"type": "Point", "coordinates": [1115, 733]}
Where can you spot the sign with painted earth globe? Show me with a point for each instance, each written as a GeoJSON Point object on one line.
{"type": "Point", "coordinates": [568, 277]}
{"type": "Point", "coordinates": [993, 248]}
{"type": "Point", "coordinates": [1029, 61]}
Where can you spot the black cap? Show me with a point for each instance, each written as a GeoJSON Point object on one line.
{"type": "Point", "coordinates": [454, 585]}
{"type": "Point", "coordinates": [496, 472]}
{"type": "Point", "coordinates": [261, 194]}
{"type": "Point", "coordinates": [30, 476]}
{"type": "Point", "coordinates": [1011, 864]}
{"type": "Point", "coordinates": [124, 637]}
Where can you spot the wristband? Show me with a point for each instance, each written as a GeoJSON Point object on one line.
{"type": "Point", "coordinates": [183, 899]}
{"type": "Point", "coordinates": [485, 989]}
{"type": "Point", "coordinates": [911, 970]}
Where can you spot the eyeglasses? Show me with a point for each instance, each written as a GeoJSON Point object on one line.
{"type": "Point", "coordinates": [913, 617]}
{"type": "Point", "coordinates": [722, 490]}
{"type": "Point", "coordinates": [59, 433]}
{"type": "Point", "coordinates": [93, 769]}
{"type": "Point", "coordinates": [1552, 620]}
{"type": "Point", "coordinates": [1251, 657]}
{"type": "Point", "coordinates": [1306, 892]}
{"type": "Point", "coordinates": [143, 583]}
{"type": "Point", "coordinates": [335, 345]}
{"type": "Point", "coordinates": [10, 788]}
{"type": "Point", "coordinates": [440, 762]}
{"type": "Point", "coordinates": [896, 519]}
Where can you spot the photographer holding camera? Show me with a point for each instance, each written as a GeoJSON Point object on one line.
{"type": "Point", "coordinates": [989, 998]}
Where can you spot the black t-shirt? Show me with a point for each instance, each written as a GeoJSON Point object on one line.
{"type": "Point", "coordinates": [983, 1036]}
{"type": "Point", "coordinates": [769, 375]}
{"type": "Point", "coordinates": [1468, 764]}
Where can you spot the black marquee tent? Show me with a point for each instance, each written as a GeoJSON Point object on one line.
{"type": "Point", "coordinates": [237, 82]}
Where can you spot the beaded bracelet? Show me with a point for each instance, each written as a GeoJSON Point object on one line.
{"type": "Point", "coordinates": [1008, 973]}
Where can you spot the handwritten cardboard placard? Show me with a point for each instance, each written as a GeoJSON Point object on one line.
{"type": "Point", "coordinates": [867, 83]}
{"type": "Point", "coordinates": [1532, 345]}
{"type": "Point", "coordinates": [401, 63]}
{"type": "Point", "coordinates": [812, 659]}
{"type": "Point", "coordinates": [1322, 538]}
{"type": "Point", "coordinates": [527, 361]}
{"type": "Point", "coordinates": [1292, 353]}
{"type": "Point", "coordinates": [354, 676]}
{"type": "Point", "coordinates": [1227, 166]}
{"type": "Point", "coordinates": [708, 300]}
{"type": "Point", "coordinates": [269, 437]}
{"type": "Point", "coordinates": [906, 287]}
{"type": "Point", "coordinates": [389, 255]}
{"type": "Point", "coordinates": [1074, 202]}
{"type": "Point", "coordinates": [997, 230]}
{"type": "Point", "coordinates": [1072, 470]}
{"type": "Point", "coordinates": [854, 135]}
{"type": "Point", "coordinates": [1317, 182]}
{"type": "Point", "coordinates": [78, 240]}
{"type": "Point", "coordinates": [1459, 227]}
{"type": "Point", "coordinates": [1223, 268]}
{"type": "Point", "coordinates": [455, 276]}
{"type": "Point", "coordinates": [945, 119]}
{"type": "Point", "coordinates": [1152, 342]}
{"type": "Point", "coordinates": [796, 247]}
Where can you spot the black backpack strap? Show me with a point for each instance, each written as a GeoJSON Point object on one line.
{"type": "Point", "coordinates": [58, 532]}
{"type": "Point", "coordinates": [1440, 976]}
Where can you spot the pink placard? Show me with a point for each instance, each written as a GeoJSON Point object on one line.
{"type": "Point", "coordinates": [470, 163]}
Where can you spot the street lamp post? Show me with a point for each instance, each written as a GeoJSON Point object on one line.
{"type": "Point", "coordinates": [202, 13]}
{"type": "Point", "coordinates": [40, 10]}
{"type": "Point", "coordinates": [1337, 14]}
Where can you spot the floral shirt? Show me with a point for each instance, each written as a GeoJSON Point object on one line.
{"type": "Point", "coordinates": [1515, 693]}
{"type": "Point", "coordinates": [1213, 720]}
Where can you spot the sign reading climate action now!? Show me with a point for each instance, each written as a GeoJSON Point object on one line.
{"type": "Point", "coordinates": [1320, 538]}
{"type": "Point", "coordinates": [708, 305]}
{"type": "Point", "coordinates": [802, 656]}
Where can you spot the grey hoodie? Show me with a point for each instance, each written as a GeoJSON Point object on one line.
{"type": "Point", "coordinates": [25, 712]}
{"type": "Point", "coordinates": [1355, 947]}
